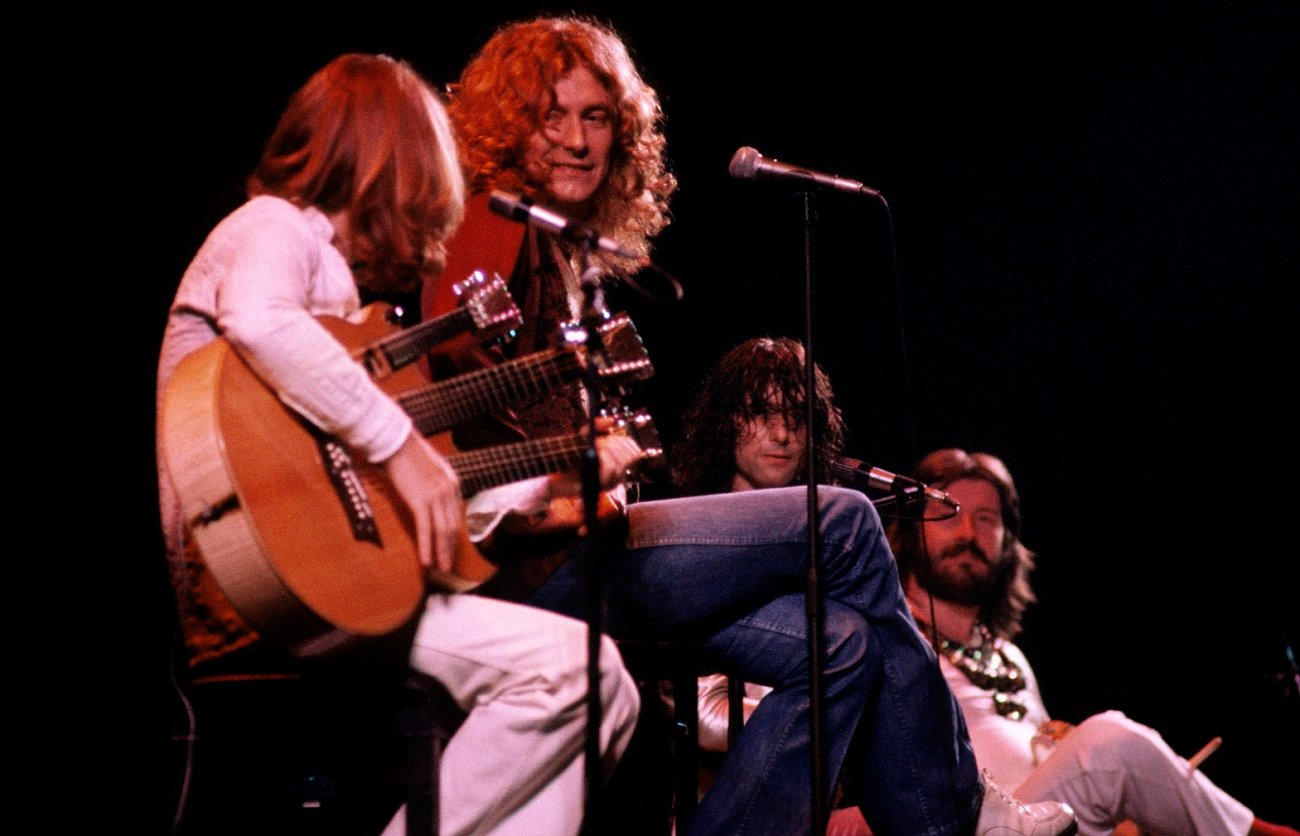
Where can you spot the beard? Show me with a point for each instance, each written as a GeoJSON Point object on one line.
{"type": "Point", "coordinates": [961, 582]}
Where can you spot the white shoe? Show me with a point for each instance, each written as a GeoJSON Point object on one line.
{"type": "Point", "coordinates": [1002, 815]}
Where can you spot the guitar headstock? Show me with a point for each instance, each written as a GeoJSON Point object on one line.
{"type": "Point", "coordinates": [619, 357]}
{"type": "Point", "coordinates": [637, 424]}
{"type": "Point", "coordinates": [624, 356]}
{"type": "Point", "coordinates": [488, 302]}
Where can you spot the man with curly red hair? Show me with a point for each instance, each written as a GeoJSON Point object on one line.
{"type": "Point", "coordinates": [554, 109]}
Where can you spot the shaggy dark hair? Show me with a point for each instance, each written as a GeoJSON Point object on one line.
{"type": "Point", "coordinates": [762, 376]}
{"type": "Point", "coordinates": [1012, 592]}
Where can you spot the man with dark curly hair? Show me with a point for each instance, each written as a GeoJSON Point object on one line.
{"type": "Point", "coordinates": [744, 430]}
{"type": "Point", "coordinates": [745, 427]}
{"type": "Point", "coordinates": [555, 110]}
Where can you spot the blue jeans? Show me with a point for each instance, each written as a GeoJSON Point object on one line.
{"type": "Point", "coordinates": [727, 572]}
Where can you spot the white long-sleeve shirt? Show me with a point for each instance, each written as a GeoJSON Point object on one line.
{"type": "Point", "coordinates": [262, 277]}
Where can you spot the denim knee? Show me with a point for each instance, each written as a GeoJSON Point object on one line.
{"type": "Point", "coordinates": [848, 516]}
{"type": "Point", "coordinates": [845, 638]}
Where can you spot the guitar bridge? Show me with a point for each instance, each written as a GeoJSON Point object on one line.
{"type": "Point", "coordinates": [351, 492]}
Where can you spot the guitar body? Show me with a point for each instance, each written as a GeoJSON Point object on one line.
{"type": "Point", "coordinates": [312, 548]}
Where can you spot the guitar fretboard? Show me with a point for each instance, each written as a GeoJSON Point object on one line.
{"type": "Point", "coordinates": [405, 347]}
{"type": "Point", "coordinates": [505, 463]}
{"type": "Point", "coordinates": [440, 406]}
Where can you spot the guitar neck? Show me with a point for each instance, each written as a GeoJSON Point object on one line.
{"type": "Point", "coordinates": [407, 346]}
{"type": "Point", "coordinates": [505, 463]}
{"type": "Point", "coordinates": [442, 405]}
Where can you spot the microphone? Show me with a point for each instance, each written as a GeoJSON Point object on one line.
{"type": "Point", "coordinates": [859, 474]}
{"type": "Point", "coordinates": [518, 208]}
{"type": "Point", "coordinates": [747, 163]}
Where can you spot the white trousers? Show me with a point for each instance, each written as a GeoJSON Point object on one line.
{"type": "Point", "coordinates": [1110, 769]}
{"type": "Point", "coordinates": [516, 765]}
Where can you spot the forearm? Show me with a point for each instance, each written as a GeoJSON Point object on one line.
{"type": "Point", "coordinates": [314, 375]}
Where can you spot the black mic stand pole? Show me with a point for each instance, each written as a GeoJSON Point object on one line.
{"type": "Point", "coordinates": [812, 592]}
{"type": "Point", "coordinates": [593, 314]}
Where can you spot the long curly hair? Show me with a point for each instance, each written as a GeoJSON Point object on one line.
{"type": "Point", "coordinates": [366, 135]}
{"type": "Point", "coordinates": [505, 91]}
{"type": "Point", "coordinates": [756, 378]}
{"type": "Point", "coordinates": [1012, 593]}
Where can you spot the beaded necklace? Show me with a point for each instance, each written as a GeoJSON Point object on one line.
{"type": "Point", "coordinates": [987, 666]}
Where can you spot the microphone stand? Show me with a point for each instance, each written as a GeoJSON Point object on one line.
{"type": "Point", "coordinates": [593, 314]}
{"type": "Point", "coordinates": [812, 592]}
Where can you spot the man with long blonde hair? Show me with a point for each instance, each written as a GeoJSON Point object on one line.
{"type": "Point", "coordinates": [355, 191]}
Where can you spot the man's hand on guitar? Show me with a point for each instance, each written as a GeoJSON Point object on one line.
{"type": "Point", "coordinates": [617, 454]}
{"type": "Point", "coordinates": [430, 488]}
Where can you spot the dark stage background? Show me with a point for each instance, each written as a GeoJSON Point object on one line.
{"type": "Point", "coordinates": [1095, 217]}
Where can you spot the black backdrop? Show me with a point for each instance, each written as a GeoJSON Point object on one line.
{"type": "Point", "coordinates": [1095, 216]}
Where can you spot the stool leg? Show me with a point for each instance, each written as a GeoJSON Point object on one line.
{"type": "Point", "coordinates": [686, 717]}
{"type": "Point", "coordinates": [424, 742]}
{"type": "Point", "coordinates": [422, 802]}
{"type": "Point", "coordinates": [735, 710]}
